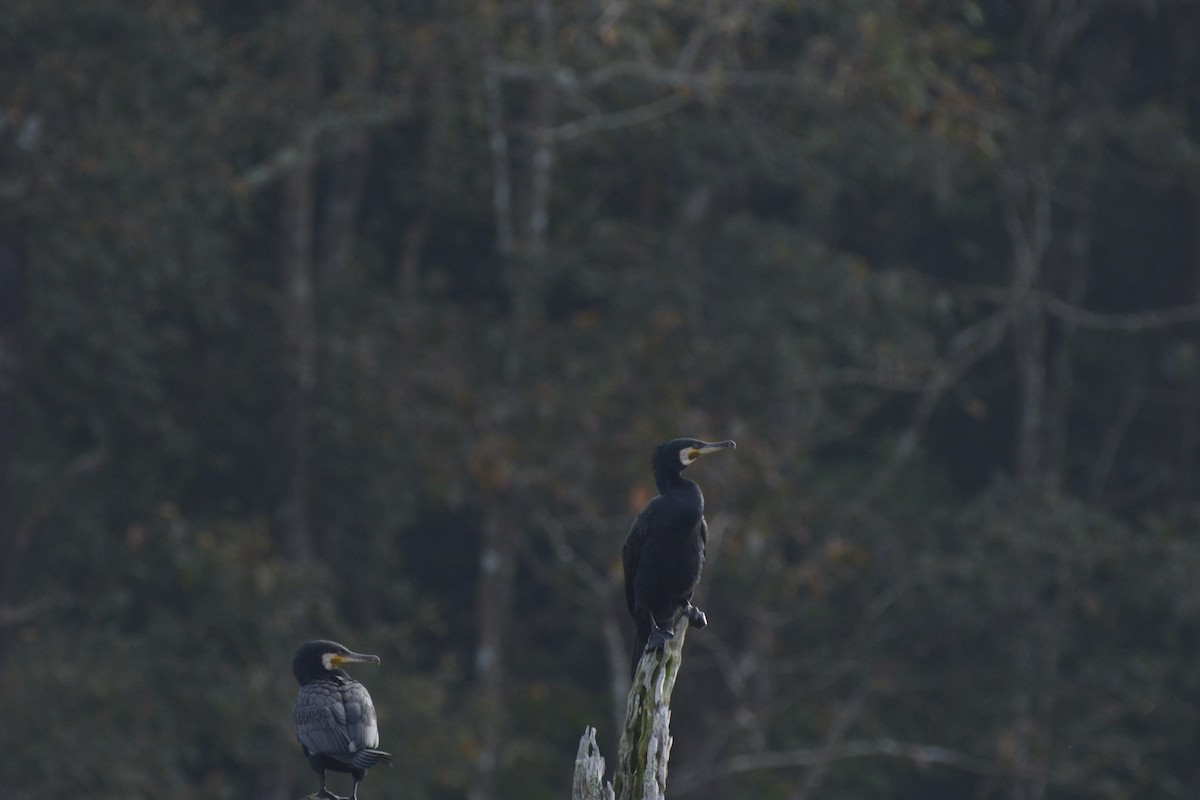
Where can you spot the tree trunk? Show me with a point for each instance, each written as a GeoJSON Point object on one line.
{"type": "Point", "coordinates": [14, 305]}
{"type": "Point", "coordinates": [589, 771]}
{"type": "Point", "coordinates": [522, 250]}
{"type": "Point", "coordinates": [497, 569]}
{"type": "Point", "coordinates": [498, 554]}
{"type": "Point", "coordinates": [645, 745]}
{"type": "Point", "coordinates": [347, 183]}
{"type": "Point", "coordinates": [1026, 200]}
{"type": "Point", "coordinates": [299, 334]}
{"type": "Point", "coordinates": [346, 174]}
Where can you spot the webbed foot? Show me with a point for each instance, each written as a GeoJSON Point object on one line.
{"type": "Point", "coordinates": [695, 616]}
{"type": "Point", "coordinates": [658, 638]}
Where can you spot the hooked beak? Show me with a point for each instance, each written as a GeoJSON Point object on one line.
{"type": "Point", "coordinates": [712, 447]}
{"type": "Point", "coordinates": [353, 658]}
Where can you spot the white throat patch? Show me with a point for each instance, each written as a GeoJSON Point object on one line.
{"type": "Point", "coordinates": [327, 660]}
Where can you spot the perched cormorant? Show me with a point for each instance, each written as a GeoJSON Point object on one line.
{"type": "Point", "coordinates": [664, 551]}
{"type": "Point", "coordinates": [334, 715]}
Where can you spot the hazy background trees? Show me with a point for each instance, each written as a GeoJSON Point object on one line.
{"type": "Point", "coordinates": [360, 321]}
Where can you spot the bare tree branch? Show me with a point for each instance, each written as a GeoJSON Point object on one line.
{"type": "Point", "coordinates": [921, 754]}
{"type": "Point", "coordinates": [19, 615]}
{"type": "Point", "coordinates": [683, 76]}
{"type": "Point", "coordinates": [844, 718]}
{"type": "Point", "coordinates": [1134, 396]}
{"type": "Point", "coordinates": [620, 119]}
{"type": "Point", "coordinates": [1025, 200]}
{"type": "Point", "coordinates": [502, 201]}
{"type": "Point", "coordinates": [284, 160]}
{"type": "Point", "coordinates": [598, 599]}
{"type": "Point", "coordinates": [696, 80]}
{"type": "Point", "coordinates": [966, 348]}
{"type": "Point", "coordinates": [1136, 321]}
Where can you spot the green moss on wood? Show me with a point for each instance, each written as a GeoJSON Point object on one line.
{"type": "Point", "coordinates": [646, 741]}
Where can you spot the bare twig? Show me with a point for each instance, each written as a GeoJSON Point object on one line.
{"type": "Point", "coordinates": [19, 615]}
{"type": "Point", "coordinates": [922, 754]}
{"type": "Point", "coordinates": [1135, 394]}
{"type": "Point", "coordinates": [705, 82]}
{"type": "Point", "coordinates": [283, 160]}
{"type": "Point", "coordinates": [1136, 321]}
{"type": "Point", "coordinates": [844, 718]}
{"type": "Point", "coordinates": [498, 147]}
{"type": "Point", "coordinates": [620, 119]}
{"type": "Point", "coordinates": [966, 348]}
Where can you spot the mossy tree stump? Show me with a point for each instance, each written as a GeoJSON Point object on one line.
{"type": "Point", "coordinates": [645, 747]}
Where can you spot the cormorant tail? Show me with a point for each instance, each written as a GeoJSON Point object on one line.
{"type": "Point", "coordinates": [365, 759]}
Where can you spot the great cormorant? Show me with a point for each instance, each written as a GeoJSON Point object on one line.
{"type": "Point", "coordinates": [334, 715]}
{"type": "Point", "coordinates": [664, 551]}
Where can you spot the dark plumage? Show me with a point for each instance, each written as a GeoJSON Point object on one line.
{"type": "Point", "coordinates": [664, 551]}
{"type": "Point", "coordinates": [334, 715]}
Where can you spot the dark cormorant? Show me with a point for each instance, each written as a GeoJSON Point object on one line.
{"type": "Point", "coordinates": [334, 715]}
{"type": "Point", "coordinates": [664, 551]}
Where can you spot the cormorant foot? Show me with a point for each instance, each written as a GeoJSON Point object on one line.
{"type": "Point", "coordinates": [695, 616]}
{"type": "Point", "coordinates": [658, 638]}
{"type": "Point", "coordinates": [325, 794]}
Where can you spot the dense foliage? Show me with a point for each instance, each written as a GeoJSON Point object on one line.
{"type": "Point", "coordinates": [359, 321]}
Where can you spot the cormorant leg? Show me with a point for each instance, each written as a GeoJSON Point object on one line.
{"type": "Point", "coordinates": [325, 794]}
{"type": "Point", "coordinates": [658, 634]}
{"type": "Point", "coordinates": [695, 616]}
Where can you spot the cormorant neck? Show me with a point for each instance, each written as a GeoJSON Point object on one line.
{"type": "Point", "coordinates": [305, 677]}
{"type": "Point", "coordinates": [666, 480]}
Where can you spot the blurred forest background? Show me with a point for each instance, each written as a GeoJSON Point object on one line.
{"type": "Point", "coordinates": [360, 321]}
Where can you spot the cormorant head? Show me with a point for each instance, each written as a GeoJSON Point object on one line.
{"type": "Point", "coordinates": [315, 659]}
{"type": "Point", "coordinates": [672, 458]}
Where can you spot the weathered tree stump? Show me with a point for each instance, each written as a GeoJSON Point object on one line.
{"type": "Point", "coordinates": [645, 747]}
{"type": "Point", "coordinates": [589, 771]}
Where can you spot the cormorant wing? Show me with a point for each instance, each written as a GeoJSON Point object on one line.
{"type": "Point", "coordinates": [335, 718]}
{"type": "Point", "coordinates": [631, 553]}
{"type": "Point", "coordinates": [360, 716]}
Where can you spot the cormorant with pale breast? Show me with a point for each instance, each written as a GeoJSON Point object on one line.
{"type": "Point", "coordinates": [334, 716]}
{"type": "Point", "coordinates": [664, 551]}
